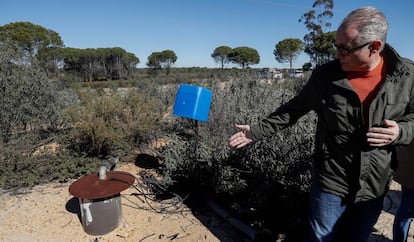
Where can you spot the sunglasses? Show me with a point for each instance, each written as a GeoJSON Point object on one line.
{"type": "Point", "coordinates": [348, 51]}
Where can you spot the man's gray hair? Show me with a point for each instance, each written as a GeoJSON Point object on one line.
{"type": "Point", "coordinates": [370, 23]}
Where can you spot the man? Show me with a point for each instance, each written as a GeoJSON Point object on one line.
{"type": "Point", "coordinates": [405, 177]}
{"type": "Point", "coordinates": [365, 104]}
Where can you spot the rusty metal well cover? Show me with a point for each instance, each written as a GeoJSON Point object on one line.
{"type": "Point", "coordinates": [91, 187]}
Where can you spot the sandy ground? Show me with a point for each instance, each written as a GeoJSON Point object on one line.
{"type": "Point", "coordinates": [383, 229]}
{"type": "Point", "coordinates": [50, 213]}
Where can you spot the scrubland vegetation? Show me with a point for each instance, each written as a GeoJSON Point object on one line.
{"type": "Point", "coordinates": [65, 110]}
{"type": "Point", "coordinates": [264, 184]}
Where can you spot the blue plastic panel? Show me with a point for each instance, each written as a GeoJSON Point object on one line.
{"type": "Point", "coordinates": [193, 102]}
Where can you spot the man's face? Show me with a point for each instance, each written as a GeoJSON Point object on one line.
{"type": "Point", "coordinates": [352, 55]}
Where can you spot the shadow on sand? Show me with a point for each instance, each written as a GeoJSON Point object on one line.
{"type": "Point", "coordinates": [72, 206]}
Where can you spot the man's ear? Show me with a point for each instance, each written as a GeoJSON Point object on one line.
{"type": "Point", "coordinates": [376, 45]}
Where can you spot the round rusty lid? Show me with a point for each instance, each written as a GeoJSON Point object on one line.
{"type": "Point", "coordinates": [91, 187]}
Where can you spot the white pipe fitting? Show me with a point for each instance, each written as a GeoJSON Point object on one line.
{"type": "Point", "coordinates": [102, 172]}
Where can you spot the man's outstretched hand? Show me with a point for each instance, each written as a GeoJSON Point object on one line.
{"type": "Point", "coordinates": [242, 137]}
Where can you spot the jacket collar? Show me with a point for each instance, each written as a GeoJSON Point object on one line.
{"type": "Point", "coordinates": [395, 64]}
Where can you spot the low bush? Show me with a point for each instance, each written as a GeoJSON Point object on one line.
{"type": "Point", "coordinates": [106, 123]}
{"type": "Point", "coordinates": [266, 179]}
{"type": "Point", "coordinates": [19, 170]}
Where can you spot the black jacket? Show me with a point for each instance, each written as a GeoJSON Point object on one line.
{"type": "Point", "coordinates": [344, 164]}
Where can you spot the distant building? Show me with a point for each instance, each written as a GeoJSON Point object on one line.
{"type": "Point", "coordinates": [271, 73]}
{"type": "Point", "coordinates": [276, 74]}
{"type": "Point", "coordinates": [296, 73]}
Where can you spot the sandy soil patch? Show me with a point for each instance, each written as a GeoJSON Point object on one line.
{"type": "Point", "coordinates": [50, 213]}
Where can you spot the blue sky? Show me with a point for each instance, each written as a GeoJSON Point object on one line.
{"type": "Point", "coordinates": [194, 28]}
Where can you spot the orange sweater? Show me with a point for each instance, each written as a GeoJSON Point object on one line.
{"type": "Point", "coordinates": [366, 85]}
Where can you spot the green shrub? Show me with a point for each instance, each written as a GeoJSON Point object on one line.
{"type": "Point", "coordinates": [270, 176]}
{"type": "Point", "coordinates": [18, 170]}
{"type": "Point", "coordinates": [29, 99]}
{"type": "Point", "coordinates": [108, 122]}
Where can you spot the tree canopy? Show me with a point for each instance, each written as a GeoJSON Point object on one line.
{"type": "Point", "coordinates": [28, 97]}
{"type": "Point", "coordinates": [98, 64]}
{"type": "Point", "coordinates": [244, 56]}
{"type": "Point", "coordinates": [36, 43]}
{"type": "Point", "coordinates": [316, 21]}
{"type": "Point", "coordinates": [288, 50]}
{"type": "Point", "coordinates": [221, 55]}
{"type": "Point", "coordinates": [163, 59]}
{"type": "Point", "coordinates": [30, 38]}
